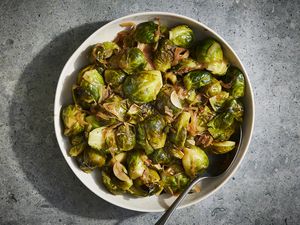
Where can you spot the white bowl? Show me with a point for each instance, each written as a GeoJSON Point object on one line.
{"type": "Point", "coordinates": [63, 97]}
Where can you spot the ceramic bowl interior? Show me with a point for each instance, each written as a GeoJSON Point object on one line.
{"type": "Point", "coordinates": [63, 97]}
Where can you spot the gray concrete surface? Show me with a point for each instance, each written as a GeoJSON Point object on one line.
{"type": "Point", "coordinates": [37, 186]}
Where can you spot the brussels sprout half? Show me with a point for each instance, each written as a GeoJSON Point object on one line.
{"type": "Point", "coordinates": [143, 87]}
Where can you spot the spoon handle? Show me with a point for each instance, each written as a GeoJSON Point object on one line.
{"type": "Point", "coordinates": [165, 217]}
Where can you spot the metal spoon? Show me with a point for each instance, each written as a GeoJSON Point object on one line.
{"type": "Point", "coordinates": [226, 161]}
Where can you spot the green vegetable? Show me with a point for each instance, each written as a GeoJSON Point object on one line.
{"type": "Point", "coordinates": [194, 161]}
{"type": "Point", "coordinates": [135, 164]}
{"type": "Point", "coordinates": [238, 82]}
{"type": "Point", "coordinates": [181, 36]}
{"type": "Point", "coordinates": [222, 147]}
{"type": "Point", "coordinates": [73, 118]}
{"type": "Point", "coordinates": [103, 51]}
{"type": "Point", "coordinates": [132, 61]}
{"type": "Point", "coordinates": [151, 133]}
{"type": "Point", "coordinates": [143, 87]}
{"type": "Point", "coordinates": [196, 79]}
{"type": "Point", "coordinates": [90, 90]}
{"type": "Point", "coordinates": [209, 51]}
{"type": "Point", "coordinates": [178, 135]}
{"type": "Point", "coordinates": [125, 137]}
{"type": "Point", "coordinates": [163, 56]}
{"type": "Point", "coordinates": [146, 32]}
{"type": "Point", "coordinates": [114, 77]}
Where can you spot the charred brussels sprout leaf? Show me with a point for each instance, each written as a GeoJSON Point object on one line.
{"type": "Point", "coordinates": [114, 77]}
{"type": "Point", "coordinates": [179, 132]}
{"type": "Point", "coordinates": [146, 32]}
{"type": "Point", "coordinates": [132, 61]}
{"type": "Point", "coordinates": [163, 56]}
{"type": "Point", "coordinates": [181, 36]}
{"type": "Point", "coordinates": [236, 108]}
{"type": "Point", "coordinates": [196, 79]}
{"type": "Point", "coordinates": [73, 118]}
{"type": "Point", "coordinates": [143, 87]}
{"type": "Point", "coordinates": [194, 161]}
{"type": "Point", "coordinates": [125, 137]}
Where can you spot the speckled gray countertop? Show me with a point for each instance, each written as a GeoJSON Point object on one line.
{"type": "Point", "coordinates": [36, 184]}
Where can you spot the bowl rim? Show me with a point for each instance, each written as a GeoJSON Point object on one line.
{"type": "Point", "coordinates": [56, 119]}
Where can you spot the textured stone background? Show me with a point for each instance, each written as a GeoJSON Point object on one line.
{"type": "Point", "coordinates": [37, 186]}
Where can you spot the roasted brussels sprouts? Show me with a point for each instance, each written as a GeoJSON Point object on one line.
{"type": "Point", "coordinates": [163, 56]}
{"type": "Point", "coordinates": [222, 147]}
{"type": "Point", "coordinates": [196, 79]}
{"type": "Point", "coordinates": [125, 137]}
{"type": "Point", "coordinates": [151, 133]}
{"type": "Point", "coordinates": [90, 90]}
{"type": "Point", "coordinates": [114, 77]}
{"type": "Point", "coordinates": [181, 36]}
{"type": "Point", "coordinates": [94, 158]}
{"type": "Point", "coordinates": [194, 161]}
{"type": "Point", "coordinates": [143, 87]}
{"type": "Point", "coordinates": [136, 166]}
{"type": "Point", "coordinates": [209, 51]}
{"type": "Point", "coordinates": [73, 118]}
{"type": "Point", "coordinates": [179, 132]}
{"type": "Point", "coordinates": [116, 106]}
{"type": "Point", "coordinates": [222, 126]}
{"type": "Point", "coordinates": [103, 51]}
{"type": "Point", "coordinates": [113, 184]}
{"type": "Point", "coordinates": [132, 61]}
{"type": "Point", "coordinates": [213, 88]}
{"type": "Point", "coordinates": [218, 68]}
{"type": "Point", "coordinates": [146, 32]}
{"type": "Point", "coordinates": [161, 102]}
{"type": "Point", "coordinates": [237, 82]}
{"type": "Point", "coordinates": [235, 107]}
{"type": "Point", "coordinates": [77, 149]}
{"type": "Point", "coordinates": [174, 179]}
{"type": "Point", "coordinates": [160, 156]}
{"type": "Point", "coordinates": [185, 66]}
{"type": "Point", "coordinates": [218, 100]}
